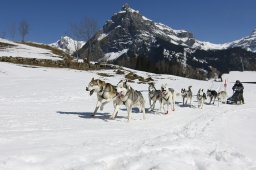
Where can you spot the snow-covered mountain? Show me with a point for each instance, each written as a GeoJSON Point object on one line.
{"type": "Point", "coordinates": [132, 40]}
{"type": "Point", "coordinates": [248, 43]}
{"type": "Point", "coordinates": [68, 44]}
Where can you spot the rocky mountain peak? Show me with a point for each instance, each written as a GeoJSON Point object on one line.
{"type": "Point", "coordinates": [132, 40]}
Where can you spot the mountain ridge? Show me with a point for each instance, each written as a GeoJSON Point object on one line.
{"type": "Point", "coordinates": [132, 40]}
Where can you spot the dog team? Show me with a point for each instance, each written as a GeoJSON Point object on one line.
{"type": "Point", "coordinates": [124, 94]}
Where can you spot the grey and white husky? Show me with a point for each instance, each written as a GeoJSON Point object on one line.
{"type": "Point", "coordinates": [168, 97]}
{"type": "Point", "coordinates": [153, 95]}
{"type": "Point", "coordinates": [201, 97]}
{"type": "Point", "coordinates": [186, 95]}
{"type": "Point", "coordinates": [106, 92]}
{"type": "Point", "coordinates": [222, 96]}
{"type": "Point", "coordinates": [130, 98]}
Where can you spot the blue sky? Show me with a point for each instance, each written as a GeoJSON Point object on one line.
{"type": "Point", "coordinates": [217, 21]}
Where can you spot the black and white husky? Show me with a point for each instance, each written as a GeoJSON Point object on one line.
{"type": "Point", "coordinates": [153, 95]}
{"type": "Point", "coordinates": [201, 97]}
{"type": "Point", "coordinates": [168, 98]}
{"type": "Point", "coordinates": [212, 94]}
{"type": "Point", "coordinates": [186, 95]}
{"type": "Point", "coordinates": [129, 97]}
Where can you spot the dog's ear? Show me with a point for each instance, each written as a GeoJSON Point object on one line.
{"type": "Point", "coordinates": [93, 79]}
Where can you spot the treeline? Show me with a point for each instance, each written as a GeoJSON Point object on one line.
{"type": "Point", "coordinates": [164, 66]}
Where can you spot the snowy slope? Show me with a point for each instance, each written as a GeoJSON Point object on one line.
{"type": "Point", "coordinates": [248, 42]}
{"type": "Point", "coordinates": [45, 123]}
{"type": "Point", "coordinates": [26, 51]}
{"type": "Point", "coordinates": [68, 44]}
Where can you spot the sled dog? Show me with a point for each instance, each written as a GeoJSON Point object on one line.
{"type": "Point", "coordinates": [212, 94]}
{"type": "Point", "coordinates": [153, 95]}
{"type": "Point", "coordinates": [186, 95]}
{"type": "Point", "coordinates": [130, 98]}
{"type": "Point", "coordinates": [106, 92]}
{"type": "Point", "coordinates": [222, 96]}
{"type": "Point", "coordinates": [201, 97]}
{"type": "Point", "coordinates": [168, 97]}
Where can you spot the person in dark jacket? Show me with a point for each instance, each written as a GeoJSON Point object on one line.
{"type": "Point", "coordinates": [238, 87]}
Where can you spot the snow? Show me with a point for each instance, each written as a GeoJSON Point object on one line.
{"type": "Point", "coordinates": [145, 18]}
{"type": "Point", "coordinates": [102, 36]}
{"type": "Point", "coordinates": [68, 44]}
{"type": "Point", "coordinates": [210, 46]}
{"type": "Point", "coordinates": [45, 123]}
{"type": "Point", "coordinates": [26, 51]}
{"type": "Point", "coordinates": [114, 55]}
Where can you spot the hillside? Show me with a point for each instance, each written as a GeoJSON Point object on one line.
{"type": "Point", "coordinates": [29, 50]}
{"type": "Point", "coordinates": [45, 123]}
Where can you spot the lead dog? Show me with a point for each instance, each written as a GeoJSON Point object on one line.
{"type": "Point", "coordinates": [153, 95]}
{"type": "Point", "coordinates": [106, 92]}
{"type": "Point", "coordinates": [186, 95]}
{"type": "Point", "coordinates": [201, 97]}
{"type": "Point", "coordinates": [130, 98]}
{"type": "Point", "coordinates": [168, 97]}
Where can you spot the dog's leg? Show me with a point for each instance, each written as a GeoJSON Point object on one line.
{"type": "Point", "coordinates": [149, 101]}
{"type": "Point", "coordinates": [115, 111]}
{"type": "Point", "coordinates": [153, 105]}
{"type": "Point", "coordinates": [173, 102]}
{"type": "Point", "coordinates": [143, 111]}
{"type": "Point", "coordinates": [96, 108]}
{"type": "Point", "coordinates": [162, 106]}
{"type": "Point", "coordinates": [103, 104]}
{"type": "Point", "coordinates": [129, 109]}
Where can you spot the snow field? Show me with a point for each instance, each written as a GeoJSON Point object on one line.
{"type": "Point", "coordinates": [45, 123]}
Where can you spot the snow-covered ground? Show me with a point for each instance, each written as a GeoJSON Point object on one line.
{"type": "Point", "coordinates": [45, 123]}
{"type": "Point", "coordinates": [26, 51]}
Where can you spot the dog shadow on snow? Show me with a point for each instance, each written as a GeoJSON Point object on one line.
{"type": "Point", "coordinates": [88, 115]}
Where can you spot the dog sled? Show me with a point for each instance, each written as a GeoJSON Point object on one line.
{"type": "Point", "coordinates": [235, 98]}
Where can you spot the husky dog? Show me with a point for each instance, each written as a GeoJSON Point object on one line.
{"type": "Point", "coordinates": [153, 95]}
{"type": "Point", "coordinates": [186, 94]}
{"type": "Point", "coordinates": [212, 94]}
{"type": "Point", "coordinates": [129, 97]}
{"type": "Point", "coordinates": [168, 97]}
{"type": "Point", "coordinates": [105, 93]}
{"type": "Point", "coordinates": [222, 96]}
{"type": "Point", "coordinates": [201, 97]}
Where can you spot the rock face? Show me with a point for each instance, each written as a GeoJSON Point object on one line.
{"type": "Point", "coordinates": [132, 40]}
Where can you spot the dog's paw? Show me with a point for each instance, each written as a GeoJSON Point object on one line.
{"type": "Point", "coordinates": [112, 117]}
